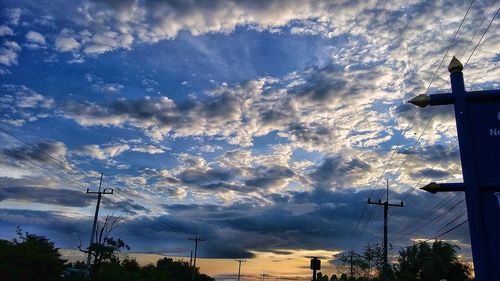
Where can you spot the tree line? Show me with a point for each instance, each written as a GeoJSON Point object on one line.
{"type": "Point", "coordinates": [30, 257]}
{"type": "Point", "coordinates": [419, 262]}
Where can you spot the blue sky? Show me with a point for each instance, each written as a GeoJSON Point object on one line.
{"type": "Point", "coordinates": [267, 122]}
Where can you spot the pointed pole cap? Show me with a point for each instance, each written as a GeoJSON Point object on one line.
{"type": "Point", "coordinates": [455, 65]}
{"type": "Point", "coordinates": [421, 100]}
{"type": "Point", "coordinates": [432, 187]}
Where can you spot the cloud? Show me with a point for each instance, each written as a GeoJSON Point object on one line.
{"type": "Point", "coordinates": [291, 222]}
{"type": "Point", "coordinates": [109, 25]}
{"type": "Point", "coordinates": [21, 104]}
{"type": "Point", "coordinates": [12, 15]}
{"type": "Point", "coordinates": [434, 174]}
{"type": "Point", "coordinates": [303, 112]}
{"type": "Point", "coordinates": [335, 123]}
{"type": "Point", "coordinates": [149, 149]}
{"type": "Point", "coordinates": [35, 37]}
{"type": "Point", "coordinates": [95, 151]}
{"type": "Point", "coordinates": [53, 152]}
{"type": "Point", "coordinates": [27, 98]}
{"type": "Point", "coordinates": [5, 30]}
{"type": "Point", "coordinates": [66, 41]}
{"type": "Point", "coordinates": [51, 224]}
{"type": "Point", "coordinates": [339, 172]}
{"type": "Point", "coordinates": [8, 53]}
{"type": "Point", "coordinates": [107, 41]}
{"type": "Point", "coordinates": [31, 194]}
{"type": "Point", "coordinates": [35, 40]}
{"type": "Point", "coordinates": [158, 115]}
{"type": "Point", "coordinates": [99, 85]}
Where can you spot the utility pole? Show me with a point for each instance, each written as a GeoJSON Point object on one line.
{"type": "Point", "coordinates": [350, 259]}
{"type": "Point", "coordinates": [191, 259]}
{"type": "Point", "coordinates": [196, 239]}
{"type": "Point", "coordinates": [239, 267]}
{"type": "Point", "coordinates": [92, 235]}
{"type": "Point", "coordinates": [386, 205]}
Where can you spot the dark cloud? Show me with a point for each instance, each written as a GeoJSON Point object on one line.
{"type": "Point", "coordinates": [49, 223]}
{"type": "Point", "coordinates": [283, 225]}
{"type": "Point", "coordinates": [333, 84]}
{"type": "Point", "coordinates": [127, 206]}
{"type": "Point", "coordinates": [63, 197]}
{"type": "Point", "coordinates": [433, 174]}
{"type": "Point", "coordinates": [445, 154]}
{"type": "Point", "coordinates": [420, 118]}
{"type": "Point", "coordinates": [314, 134]}
{"type": "Point", "coordinates": [204, 177]}
{"type": "Point", "coordinates": [268, 177]}
{"type": "Point", "coordinates": [295, 222]}
{"type": "Point", "coordinates": [54, 152]}
{"type": "Point", "coordinates": [161, 115]}
{"type": "Point", "coordinates": [336, 171]}
{"type": "Point", "coordinates": [259, 178]}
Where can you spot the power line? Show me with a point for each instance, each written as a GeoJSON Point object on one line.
{"type": "Point", "coordinates": [481, 39]}
{"type": "Point", "coordinates": [353, 235]}
{"type": "Point", "coordinates": [445, 232]}
{"type": "Point", "coordinates": [408, 193]}
{"type": "Point", "coordinates": [428, 87]}
{"type": "Point", "coordinates": [77, 181]}
{"type": "Point", "coordinates": [477, 28]}
{"type": "Point", "coordinates": [438, 218]}
{"type": "Point", "coordinates": [424, 216]}
{"type": "Point", "coordinates": [430, 170]}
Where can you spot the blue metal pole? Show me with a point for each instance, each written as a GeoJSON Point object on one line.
{"type": "Point", "coordinates": [468, 159]}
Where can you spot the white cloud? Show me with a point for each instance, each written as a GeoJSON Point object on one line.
{"type": "Point", "coordinates": [5, 30]}
{"type": "Point", "coordinates": [66, 41]}
{"type": "Point", "coordinates": [111, 25]}
{"type": "Point", "coordinates": [106, 41]}
{"type": "Point", "coordinates": [95, 151]}
{"type": "Point", "coordinates": [13, 15]}
{"type": "Point", "coordinates": [35, 37]}
{"type": "Point", "coordinates": [8, 53]}
{"type": "Point", "coordinates": [24, 97]}
{"type": "Point", "coordinates": [149, 149]}
{"type": "Point", "coordinates": [35, 40]}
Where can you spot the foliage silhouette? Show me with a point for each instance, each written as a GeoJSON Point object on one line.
{"type": "Point", "coordinates": [431, 262]}
{"type": "Point", "coordinates": [30, 257]}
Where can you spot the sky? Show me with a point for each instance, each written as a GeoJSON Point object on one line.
{"type": "Point", "coordinates": [262, 125]}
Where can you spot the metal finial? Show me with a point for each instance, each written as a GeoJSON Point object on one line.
{"type": "Point", "coordinates": [455, 65]}
{"type": "Point", "coordinates": [421, 100]}
{"type": "Point", "coordinates": [432, 187]}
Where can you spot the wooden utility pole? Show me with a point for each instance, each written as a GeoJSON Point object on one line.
{"type": "Point", "coordinates": [351, 261]}
{"type": "Point", "coordinates": [96, 215]}
{"type": "Point", "coordinates": [352, 269]}
{"type": "Point", "coordinates": [385, 269]}
{"type": "Point", "coordinates": [239, 268]}
{"type": "Point", "coordinates": [196, 239]}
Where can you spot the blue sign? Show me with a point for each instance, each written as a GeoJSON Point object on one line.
{"type": "Point", "coordinates": [485, 130]}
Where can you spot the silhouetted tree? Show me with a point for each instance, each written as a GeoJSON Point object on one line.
{"type": "Point", "coordinates": [321, 277]}
{"type": "Point", "coordinates": [105, 247]}
{"type": "Point", "coordinates": [30, 257]}
{"type": "Point", "coordinates": [431, 262]}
